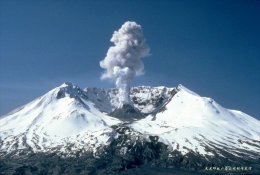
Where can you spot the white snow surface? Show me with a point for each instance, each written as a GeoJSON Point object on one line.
{"type": "Point", "coordinates": [189, 122]}
{"type": "Point", "coordinates": [50, 121]}
{"type": "Point", "coordinates": [70, 117]}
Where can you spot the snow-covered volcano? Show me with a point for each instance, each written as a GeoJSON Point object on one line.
{"type": "Point", "coordinates": [69, 115]}
{"type": "Point", "coordinates": [69, 121]}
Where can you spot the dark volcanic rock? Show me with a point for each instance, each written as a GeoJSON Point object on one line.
{"type": "Point", "coordinates": [127, 113]}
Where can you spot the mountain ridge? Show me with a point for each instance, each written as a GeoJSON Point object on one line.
{"type": "Point", "coordinates": [176, 124]}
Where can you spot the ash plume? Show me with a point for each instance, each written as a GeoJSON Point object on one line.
{"type": "Point", "coordinates": [123, 60]}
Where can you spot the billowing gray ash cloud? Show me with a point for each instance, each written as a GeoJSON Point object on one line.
{"type": "Point", "coordinates": [123, 60]}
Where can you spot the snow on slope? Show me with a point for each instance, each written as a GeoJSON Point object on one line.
{"type": "Point", "coordinates": [190, 122]}
{"type": "Point", "coordinates": [60, 116]}
{"type": "Point", "coordinates": [70, 119]}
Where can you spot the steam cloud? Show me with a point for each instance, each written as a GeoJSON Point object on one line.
{"type": "Point", "coordinates": [123, 60]}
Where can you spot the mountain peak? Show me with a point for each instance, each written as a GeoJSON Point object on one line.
{"type": "Point", "coordinates": [180, 87]}
{"type": "Point", "coordinates": [68, 89]}
{"type": "Point", "coordinates": [67, 84]}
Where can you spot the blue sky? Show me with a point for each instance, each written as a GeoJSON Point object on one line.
{"type": "Point", "coordinates": [211, 47]}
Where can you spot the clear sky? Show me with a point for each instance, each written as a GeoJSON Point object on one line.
{"type": "Point", "coordinates": [211, 47]}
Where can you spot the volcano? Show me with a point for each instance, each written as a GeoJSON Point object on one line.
{"type": "Point", "coordinates": [70, 130]}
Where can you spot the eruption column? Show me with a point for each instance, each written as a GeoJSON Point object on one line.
{"type": "Point", "coordinates": [123, 60]}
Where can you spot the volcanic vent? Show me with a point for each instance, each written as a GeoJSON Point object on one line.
{"type": "Point", "coordinates": [127, 112]}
